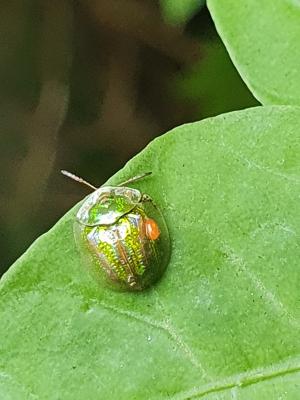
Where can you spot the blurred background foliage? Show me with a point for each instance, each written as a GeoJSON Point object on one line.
{"type": "Point", "coordinates": [85, 85]}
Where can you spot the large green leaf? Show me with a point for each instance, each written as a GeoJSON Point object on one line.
{"type": "Point", "coordinates": [262, 38]}
{"type": "Point", "coordinates": [213, 84]}
{"type": "Point", "coordinates": [180, 11]}
{"type": "Point", "coordinates": [223, 322]}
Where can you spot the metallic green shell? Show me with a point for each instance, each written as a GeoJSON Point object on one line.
{"type": "Point", "coordinates": [107, 204]}
{"type": "Point", "coordinates": [110, 230]}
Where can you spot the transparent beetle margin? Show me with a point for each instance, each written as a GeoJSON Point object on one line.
{"type": "Point", "coordinates": [122, 235]}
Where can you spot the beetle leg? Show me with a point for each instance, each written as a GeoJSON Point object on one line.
{"type": "Point", "coordinates": [131, 280]}
{"type": "Point", "coordinates": [147, 199]}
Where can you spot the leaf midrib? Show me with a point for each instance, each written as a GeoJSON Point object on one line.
{"type": "Point", "coordinates": [251, 377]}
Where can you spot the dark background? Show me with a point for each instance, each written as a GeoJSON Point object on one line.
{"type": "Point", "coordinates": [85, 85]}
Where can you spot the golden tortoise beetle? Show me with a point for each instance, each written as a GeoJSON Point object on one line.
{"type": "Point", "coordinates": [123, 234]}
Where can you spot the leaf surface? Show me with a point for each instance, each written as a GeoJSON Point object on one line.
{"type": "Point", "coordinates": [224, 319]}
{"type": "Point", "coordinates": [262, 38]}
{"type": "Point", "coordinates": [180, 11]}
{"type": "Point", "coordinates": [213, 84]}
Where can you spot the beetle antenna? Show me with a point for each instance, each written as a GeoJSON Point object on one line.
{"type": "Point", "coordinates": [134, 179]}
{"type": "Point", "coordinates": [77, 179]}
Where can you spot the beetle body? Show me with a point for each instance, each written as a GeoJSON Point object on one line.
{"type": "Point", "coordinates": [124, 236]}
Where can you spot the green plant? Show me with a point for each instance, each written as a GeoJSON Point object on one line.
{"type": "Point", "coordinates": [179, 11]}
{"type": "Point", "coordinates": [224, 320]}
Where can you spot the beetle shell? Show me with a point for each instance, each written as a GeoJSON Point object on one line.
{"type": "Point", "coordinates": [124, 237]}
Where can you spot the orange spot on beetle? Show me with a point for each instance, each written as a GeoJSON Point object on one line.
{"type": "Point", "coordinates": [152, 229]}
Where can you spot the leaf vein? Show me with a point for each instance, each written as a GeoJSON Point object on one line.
{"type": "Point", "coordinates": [178, 339]}
{"type": "Point", "coordinates": [269, 297]}
{"type": "Point", "coordinates": [242, 380]}
{"type": "Point", "coordinates": [163, 326]}
{"type": "Point", "coordinates": [255, 165]}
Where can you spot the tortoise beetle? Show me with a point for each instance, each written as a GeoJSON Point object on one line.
{"type": "Point", "coordinates": [123, 235]}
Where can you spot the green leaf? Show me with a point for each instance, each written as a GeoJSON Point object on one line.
{"type": "Point", "coordinates": [180, 11]}
{"type": "Point", "coordinates": [262, 38]}
{"type": "Point", "coordinates": [223, 322]}
{"type": "Point", "coordinates": [213, 84]}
